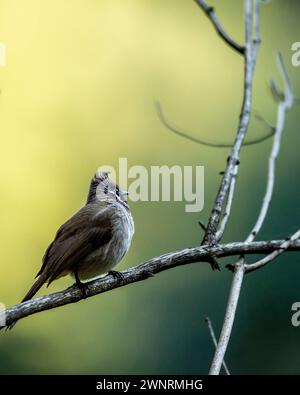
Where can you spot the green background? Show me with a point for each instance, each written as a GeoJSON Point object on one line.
{"type": "Point", "coordinates": [77, 93]}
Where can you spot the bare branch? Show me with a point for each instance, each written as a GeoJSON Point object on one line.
{"type": "Point", "coordinates": [209, 11]}
{"type": "Point", "coordinates": [271, 257]}
{"type": "Point", "coordinates": [255, 44]}
{"type": "Point", "coordinates": [256, 23]}
{"type": "Point", "coordinates": [221, 348]}
{"type": "Point", "coordinates": [201, 141]}
{"type": "Point", "coordinates": [240, 267]}
{"type": "Point", "coordinates": [233, 160]}
{"type": "Point", "coordinates": [288, 92]}
{"type": "Point", "coordinates": [226, 215]}
{"type": "Point", "coordinates": [184, 134]}
{"type": "Point", "coordinates": [276, 93]}
{"type": "Point", "coordinates": [139, 273]}
{"type": "Point", "coordinates": [259, 117]}
{"type": "Point", "coordinates": [283, 107]}
{"type": "Point", "coordinates": [202, 226]}
{"type": "Point", "coordinates": [214, 339]}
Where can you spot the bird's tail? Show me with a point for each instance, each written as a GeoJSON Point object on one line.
{"type": "Point", "coordinates": [36, 286]}
{"type": "Point", "coordinates": [33, 290]}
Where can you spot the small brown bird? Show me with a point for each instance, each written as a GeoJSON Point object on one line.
{"type": "Point", "coordinates": [91, 242]}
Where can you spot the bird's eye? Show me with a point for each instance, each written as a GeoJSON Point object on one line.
{"type": "Point", "coordinates": [118, 191]}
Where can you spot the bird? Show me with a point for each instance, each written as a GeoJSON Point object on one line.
{"type": "Point", "coordinates": [93, 241]}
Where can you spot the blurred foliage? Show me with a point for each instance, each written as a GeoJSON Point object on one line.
{"type": "Point", "coordinates": [78, 93]}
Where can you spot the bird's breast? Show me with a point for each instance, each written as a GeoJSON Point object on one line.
{"type": "Point", "coordinates": [103, 259]}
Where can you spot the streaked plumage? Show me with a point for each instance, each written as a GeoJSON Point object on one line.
{"type": "Point", "coordinates": [91, 242]}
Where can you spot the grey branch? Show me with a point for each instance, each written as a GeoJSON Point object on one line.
{"type": "Point", "coordinates": [209, 143]}
{"type": "Point", "coordinates": [283, 107]}
{"type": "Point", "coordinates": [230, 197]}
{"type": "Point", "coordinates": [251, 50]}
{"type": "Point", "coordinates": [273, 255]}
{"type": "Point", "coordinates": [209, 11]}
{"type": "Point", "coordinates": [141, 272]}
{"type": "Point", "coordinates": [214, 339]}
{"type": "Point", "coordinates": [240, 268]}
{"type": "Point", "coordinates": [233, 160]}
{"type": "Point", "coordinates": [228, 320]}
{"type": "Point", "coordinates": [262, 119]}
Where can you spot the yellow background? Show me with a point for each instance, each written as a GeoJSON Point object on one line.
{"type": "Point", "coordinates": [77, 93]}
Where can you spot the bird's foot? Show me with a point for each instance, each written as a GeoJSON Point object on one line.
{"type": "Point", "coordinates": [118, 275]}
{"type": "Point", "coordinates": [84, 289]}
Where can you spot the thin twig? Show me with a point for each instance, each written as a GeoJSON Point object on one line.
{"type": "Point", "coordinates": [256, 24]}
{"type": "Point", "coordinates": [283, 107]}
{"type": "Point", "coordinates": [227, 211]}
{"type": "Point", "coordinates": [214, 339]}
{"type": "Point", "coordinates": [139, 273]}
{"type": "Point", "coordinates": [202, 225]}
{"type": "Point", "coordinates": [262, 119]}
{"type": "Point", "coordinates": [255, 45]}
{"type": "Point", "coordinates": [221, 348]}
{"type": "Point", "coordinates": [269, 258]}
{"type": "Point", "coordinates": [240, 267]}
{"type": "Point", "coordinates": [278, 96]}
{"type": "Point", "coordinates": [209, 11]}
{"type": "Point", "coordinates": [209, 143]}
{"type": "Point", "coordinates": [233, 159]}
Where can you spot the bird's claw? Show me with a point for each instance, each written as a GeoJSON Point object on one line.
{"type": "Point", "coordinates": [84, 289]}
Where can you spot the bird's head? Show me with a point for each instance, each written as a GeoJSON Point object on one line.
{"type": "Point", "coordinates": [102, 188]}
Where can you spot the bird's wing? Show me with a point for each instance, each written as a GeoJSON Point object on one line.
{"type": "Point", "coordinates": [77, 238]}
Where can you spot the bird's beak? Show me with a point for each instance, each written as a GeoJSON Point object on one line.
{"type": "Point", "coordinates": [125, 193]}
